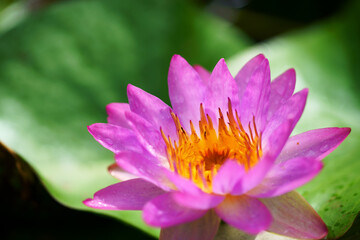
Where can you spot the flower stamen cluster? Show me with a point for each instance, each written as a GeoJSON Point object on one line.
{"type": "Point", "coordinates": [199, 157]}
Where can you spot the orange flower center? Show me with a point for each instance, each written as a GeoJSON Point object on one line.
{"type": "Point", "coordinates": [199, 158]}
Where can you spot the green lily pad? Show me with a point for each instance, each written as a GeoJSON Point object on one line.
{"type": "Point", "coordinates": [326, 59]}
{"type": "Point", "coordinates": [62, 66]}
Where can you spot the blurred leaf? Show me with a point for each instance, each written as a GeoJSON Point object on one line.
{"type": "Point", "coordinates": [326, 58]}
{"type": "Point", "coordinates": [12, 14]}
{"type": "Point", "coordinates": [60, 68]}
{"type": "Point", "coordinates": [31, 211]}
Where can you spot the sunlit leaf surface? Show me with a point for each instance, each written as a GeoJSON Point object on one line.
{"type": "Point", "coordinates": [326, 60]}
{"type": "Point", "coordinates": [61, 67]}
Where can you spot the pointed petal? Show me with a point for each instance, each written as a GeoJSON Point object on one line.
{"type": "Point", "coordinates": [116, 114]}
{"type": "Point", "coordinates": [148, 135]}
{"type": "Point", "coordinates": [152, 109]}
{"type": "Point", "coordinates": [229, 176]}
{"type": "Point", "coordinates": [282, 88]}
{"type": "Point", "coordinates": [115, 138]}
{"type": "Point", "coordinates": [220, 87]}
{"type": "Point", "coordinates": [203, 73]}
{"type": "Point", "coordinates": [186, 90]}
{"type": "Point", "coordinates": [243, 77]}
{"type": "Point", "coordinates": [203, 228]}
{"type": "Point", "coordinates": [294, 217]}
{"type": "Point", "coordinates": [129, 195]}
{"type": "Point", "coordinates": [202, 201]}
{"type": "Point", "coordinates": [245, 213]}
{"type": "Point", "coordinates": [119, 173]}
{"type": "Point", "coordinates": [316, 143]}
{"type": "Point", "coordinates": [291, 111]}
{"type": "Point", "coordinates": [255, 100]}
{"type": "Point", "coordinates": [163, 211]}
{"type": "Point", "coordinates": [287, 176]}
{"type": "Point", "coordinates": [275, 143]}
{"type": "Point", "coordinates": [144, 166]}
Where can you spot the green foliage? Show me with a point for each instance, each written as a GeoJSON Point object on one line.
{"type": "Point", "coordinates": [61, 67]}
{"type": "Point", "coordinates": [326, 59]}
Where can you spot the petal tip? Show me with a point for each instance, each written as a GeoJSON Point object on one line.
{"type": "Point", "coordinates": [91, 128]}
{"type": "Point", "coordinates": [347, 130]}
{"type": "Point", "coordinates": [260, 56]}
{"type": "Point", "coordinates": [88, 202]}
{"type": "Point", "coordinates": [176, 58]}
{"type": "Point", "coordinates": [130, 88]}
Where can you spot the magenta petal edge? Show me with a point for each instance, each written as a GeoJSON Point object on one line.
{"type": "Point", "coordinates": [221, 151]}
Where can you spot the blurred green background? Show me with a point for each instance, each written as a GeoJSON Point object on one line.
{"type": "Point", "coordinates": [62, 62]}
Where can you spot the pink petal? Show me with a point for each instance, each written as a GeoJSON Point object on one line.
{"type": "Point", "coordinates": [294, 217]}
{"type": "Point", "coordinates": [119, 173]}
{"type": "Point", "coordinates": [291, 111]}
{"type": "Point", "coordinates": [255, 100]}
{"type": "Point", "coordinates": [282, 88]}
{"type": "Point", "coordinates": [243, 77]}
{"type": "Point", "coordinates": [220, 87]}
{"type": "Point", "coordinates": [204, 228]}
{"type": "Point", "coordinates": [245, 213]}
{"type": "Point", "coordinates": [148, 135]}
{"type": "Point", "coordinates": [314, 144]}
{"type": "Point", "coordinates": [275, 143]}
{"type": "Point", "coordinates": [201, 201]}
{"type": "Point", "coordinates": [116, 114]}
{"type": "Point", "coordinates": [184, 185]}
{"type": "Point", "coordinates": [186, 90]}
{"type": "Point", "coordinates": [203, 73]}
{"type": "Point", "coordinates": [163, 211]}
{"type": "Point", "coordinates": [129, 195]}
{"type": "Point", "coordinates": [115, 138]}
{"type": "Point", "coordinates": [152, 109]}
{"type": "Point", "coordinates": [229, 176]}
{"type": "Point", "coordinates": [287, 176]}
{"type": "Point", "coordinates": [144, 166]}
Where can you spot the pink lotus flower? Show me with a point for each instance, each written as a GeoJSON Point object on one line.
{"type": "Point", "coordinates": [223, 151]}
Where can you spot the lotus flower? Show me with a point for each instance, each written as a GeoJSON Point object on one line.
{"type": "Point", "coordinates": [223, 151]}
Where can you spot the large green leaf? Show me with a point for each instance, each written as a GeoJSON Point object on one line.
{"type": "Point", "coordinates": [60, 68]}
{"type": "Point", "coordinates": [326, 59]}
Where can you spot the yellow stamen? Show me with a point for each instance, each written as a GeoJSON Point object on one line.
{"type": "Point", "coordinates": [199, 158]}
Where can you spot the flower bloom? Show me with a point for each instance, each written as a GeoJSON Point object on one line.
{"type": "Point", "coordinates": [223, 151]}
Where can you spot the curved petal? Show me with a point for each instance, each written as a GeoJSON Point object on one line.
{"type": "Point", "coordinates": [255, 100]}
{"type": "Point", "coordinates": [119, 173]}
{"type": "Point", "coordinates": [220, 87]}
{"type": "Point", "coordinates": [316, 143]}
{"type": "Point", "coordinates": [229, 176]}
{"type": "Point", "coordinates": [291, 111]}
{"type": "Point", "coordinates": [243, 77]}
{"type": "Point", "coordinates": [184, 185]}
{"type": "Point", "coordinates": [163, 211]}
{"type": "Point", "coordinates": [282, 88]}
{"type": "Point", "coordinates": [276, 142]}
{"type": "Point", "coordinates": [201, 201]}
{"type": "Point", "coordinates": [116, 114]}
{"type": "Point", "coordinates": [152, 109]}
{"type": "Point", "coordinates": [245, 213]}
{"type": "Point", "coordinates": [186, 90]}
{"type": "Point", "coordinates": [203, 73]}
{"type": "Point", "coordinates": [204, 228]}
{"type": "Point", "coordinates": [115, 138]}
{"type": "Point", "coordinates": [149, 136]}
{"type": "Point", "coordinates": [287, 176]}
{"type": "Point", "coordinates": [294, 217]}
{"type": "Point", "coordinates": [145, 166]}
{"type": "Point", "coordinates": [129, 195]}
